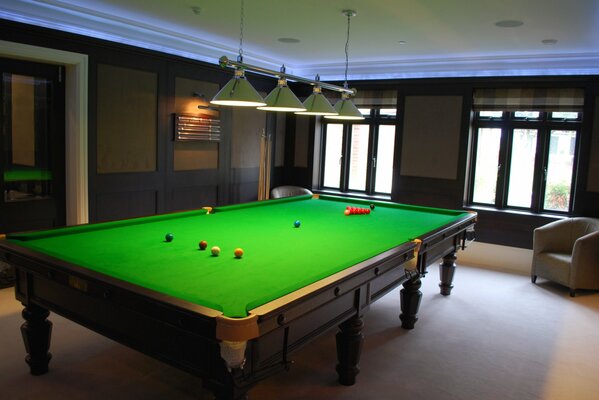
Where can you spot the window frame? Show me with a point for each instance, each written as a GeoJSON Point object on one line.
{"type": "Point", "coordinates": [544, 125]}
{"type": "Point", "coordinates": [374, 120]}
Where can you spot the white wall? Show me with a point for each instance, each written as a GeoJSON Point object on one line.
{"type": "Point", "coordinates": [493, 256]}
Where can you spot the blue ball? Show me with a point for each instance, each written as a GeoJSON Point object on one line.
{"type": "Point", "coordinates": [169, 237]}
{"type": "Point", "coordinates": [297, 223]}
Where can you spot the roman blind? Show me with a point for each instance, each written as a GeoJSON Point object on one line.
{"type": "Point", "coordinates": [385, 98]}
{"type": "Point", "coordinates": [372, 98]}
{"type": "Point", "coordinates": [529, 99]}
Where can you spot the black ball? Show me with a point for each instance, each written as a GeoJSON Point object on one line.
{"type": "Point", "coordinates": [372, 206]}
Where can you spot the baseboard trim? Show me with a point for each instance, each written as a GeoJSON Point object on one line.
{"type": "Point", "coordinates": [497, 257]}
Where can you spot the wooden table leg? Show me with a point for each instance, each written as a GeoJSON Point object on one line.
{"type": "Point", "coordinates": [446, 272]}
{"type": "Point", "coordinates": [36, 332]}
{"type": "Point", "coordinates": [410, 302]}
{"type": "Point", "coordinates": [349, 347]}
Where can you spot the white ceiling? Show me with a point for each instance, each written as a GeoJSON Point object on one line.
{"type": "Point", "coordinates": [443, 38]}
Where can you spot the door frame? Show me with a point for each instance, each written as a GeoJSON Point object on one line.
{"type": "Point", "coordinates": [76, 117]}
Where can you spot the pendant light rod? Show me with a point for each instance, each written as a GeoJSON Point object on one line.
{"type": "Point", "coordinates": [224, 61]}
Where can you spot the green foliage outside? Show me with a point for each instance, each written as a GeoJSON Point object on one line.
{"type": "Point", "coordinates": [557, 196]}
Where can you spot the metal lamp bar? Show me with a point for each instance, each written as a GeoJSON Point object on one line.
{"type": "Point", "coordinates": [226, 62]}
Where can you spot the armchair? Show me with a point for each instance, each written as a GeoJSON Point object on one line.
{"type": "Point", "coordinates": [567, 252]}
{"type": "Point", "coordinates": [288, 191]}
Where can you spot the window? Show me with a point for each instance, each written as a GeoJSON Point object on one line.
{"type": "Point", "coordinates": [358, 157]}
{"type": "Point", "coordinates": [524, 159]}
{"type": "Point", "coordinates": [332, 155]}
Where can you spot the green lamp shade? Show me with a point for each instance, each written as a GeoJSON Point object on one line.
{"type": "Point", "coordinates": [238, 92]}
{"type": "Point", "coordinates": [317, 104]}
{"type": "Point", "coordinates": [346, 110]}
{"type": "Point", "coordinates": [282, 98]}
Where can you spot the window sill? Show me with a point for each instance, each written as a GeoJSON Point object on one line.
{"type": "Point", "coordinates": [515, 212]}
{"type": "Point", "coordinates": [356, 195]}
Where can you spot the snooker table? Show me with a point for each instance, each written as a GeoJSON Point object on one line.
{"type": "Point", "coordinates": [233, 321]}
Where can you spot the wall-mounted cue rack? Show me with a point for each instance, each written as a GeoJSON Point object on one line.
{"type": "Point", "coordinates": [197, 127]}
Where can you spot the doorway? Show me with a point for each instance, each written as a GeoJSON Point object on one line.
{"type": "Point", "coordinates": [32, 132]}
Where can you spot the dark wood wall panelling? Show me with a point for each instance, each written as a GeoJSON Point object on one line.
{"type": "Point", "coordinates": [124, 191]}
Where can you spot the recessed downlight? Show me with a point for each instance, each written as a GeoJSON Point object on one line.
{"type": "Point", "coordinates": [402, 42]}
{"type": "Point", "coordinates": [549, 42]}
{"type": "Point", "coordinates": [509, 23]}
{"type": "Point", "coordinates": [288, 40]}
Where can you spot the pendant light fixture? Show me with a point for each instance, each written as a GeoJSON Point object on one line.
{"type": "Point", "coordinates": [282, 98]}
{"type": "Point", "coordinates": [238, 91]}
{"type": "Point", "coordinates": [345, 108]}
{"type": "Point", "coordinates": [316, 103]}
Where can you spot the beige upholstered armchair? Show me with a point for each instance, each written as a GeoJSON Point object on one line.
{"type": "Point", "coordinates": [288, 191]}
{"type": "Point", "coordinates": [567, 252]}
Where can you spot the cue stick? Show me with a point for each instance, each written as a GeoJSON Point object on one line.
{"type": "Point", "coordinates": [265, 140]}
{"type": "Point", "coordinates": [261, 169]}
{"type": "Point", "coordinates": [267, 166]}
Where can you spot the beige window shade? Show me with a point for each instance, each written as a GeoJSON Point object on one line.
{"type": "Point", "coordinates": [529, 99]}
{"type": "Point", "coordinates": [376, 98]}
{"type": "Point", "coordinates": [368, 98]}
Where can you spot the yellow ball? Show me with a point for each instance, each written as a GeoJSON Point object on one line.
{"type": "Point", "coordinates": [238, 252]}
{"type": "Point", "coordinates": [215, 250]}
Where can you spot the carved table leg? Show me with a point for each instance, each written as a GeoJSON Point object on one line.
{"type": "Point", "coordinates": [410, 302]}
{"type": "Point", "coordinates": [36, 332]}
{"type": "Point", "coordinates": [349, 347]}
{"type": "Point", "coordinates": [446, 271]}
{"type": "Point", "coordinates": [230, 391]}
{"type": "Point", "coordinates": [226, 382]}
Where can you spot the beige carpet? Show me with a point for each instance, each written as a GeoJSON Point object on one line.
{"type": "Point", "coordinates": [496, 337]}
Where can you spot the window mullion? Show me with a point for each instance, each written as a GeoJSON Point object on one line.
{"type": "Point", "coordinates": [345, 156]}
{"type": "Point", "coordinates": [541, 160]}
{"type": "Point", "coordinates": [473, 157]}
{"type": "Point", "coordinates": [574, 173]}
{"type": "Point", "coordinates": [371, 166]}
{"type": "Point", "coordinates": [503, 167]}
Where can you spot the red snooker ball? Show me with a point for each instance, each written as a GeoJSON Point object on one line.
{"type": "Point", "coordinates": [203, 244]}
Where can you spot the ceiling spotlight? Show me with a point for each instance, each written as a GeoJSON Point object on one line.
{"type": "Point", "coordinates": [288, 40]}
{"type": "Point", "coordinates": [509, 23]}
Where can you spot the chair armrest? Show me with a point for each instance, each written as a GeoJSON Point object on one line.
{"type": "Point", "coordinates": [553, 237]}
{"type": "Point", "coordinates": [585, 261]}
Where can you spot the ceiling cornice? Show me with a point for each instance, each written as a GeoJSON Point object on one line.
{"type": "Point", "coordinates": [71, 18]}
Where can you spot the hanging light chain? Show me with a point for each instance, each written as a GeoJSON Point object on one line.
{"type": "Point", "coordinates": [240, 57]}
{"type": "Point", "coordinates": [349, 15]}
